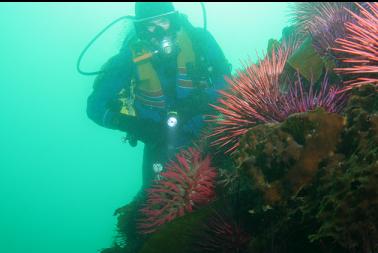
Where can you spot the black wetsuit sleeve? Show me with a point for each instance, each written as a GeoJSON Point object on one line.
{"type": "Point", "coordinates": [103, 105]}
{"type": "Point", "coordinates": [102, 102]}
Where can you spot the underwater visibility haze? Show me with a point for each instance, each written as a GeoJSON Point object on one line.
{"type": "Point", "coordinates": [251, 127]}
{"type": "Point", "coordinates": [61, 175]}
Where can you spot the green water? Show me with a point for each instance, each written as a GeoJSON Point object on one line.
{"type": "Point", "coordinates": [61, 175]}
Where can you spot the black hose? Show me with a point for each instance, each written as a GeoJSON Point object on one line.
{"type": "Point", "coordinates": [110, 25]}
{"type": "Point", "coordinates": [91, 43]}
{"type": "Point", "coordinates": [204, 16]}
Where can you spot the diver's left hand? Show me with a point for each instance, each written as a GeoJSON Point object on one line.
{"type": "Point", "coordinates": [193, 107]}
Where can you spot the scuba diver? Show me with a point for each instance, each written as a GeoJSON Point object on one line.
{"type": "Point", "coordinates": [159, 86]}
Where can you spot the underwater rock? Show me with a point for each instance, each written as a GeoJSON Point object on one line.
{"type": "Point", "coordinates": [176, 236]}
{"type": "Point", "coordinates": [222, 232]}
{"type": "Point", "coordinates": [317, 174]}
{"type": "Point", "coordinates": [346, 199]}
{"type": "Point", "coordinates": [217, 227]}
{"type": "Point", "coordinates": [128, 240]}
{"type": "Point", "coordinates": [281, 158]}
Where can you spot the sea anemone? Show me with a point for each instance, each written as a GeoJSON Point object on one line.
{"type": "Point", "coordinates": [186, 184]}
{"type": "Point", "coordinates": [257, 96]}
{"type": "Point", "coordinates": [360, 47]}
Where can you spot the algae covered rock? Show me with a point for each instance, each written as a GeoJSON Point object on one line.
{"type": "Point", "coordinates": [317, 174]}
{"type": "Point", "coordinates": [282, 158]}
{"type": "Point", "coordinates": [346, 198]}
{"type": "Point", "coordinates": [176, 236]}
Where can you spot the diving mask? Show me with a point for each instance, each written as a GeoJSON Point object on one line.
{"type": "Point", "coordinates": [162, 36]}
{"type": "Point", "coordinates": [160, 31]}
{"type": "Point", "coordinates": [163, 23]}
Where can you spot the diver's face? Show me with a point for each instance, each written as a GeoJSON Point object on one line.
{"type": "Point", "coordinates": [159, 23]}
{"type": "Point", "coordinates": [158, 28]}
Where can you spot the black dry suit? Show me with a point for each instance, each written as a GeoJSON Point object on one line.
{"type": "Point", "coordinates": [137, 90]}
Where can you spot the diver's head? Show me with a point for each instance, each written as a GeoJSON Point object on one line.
{"type": "Point", "coordinates": [156, 22]}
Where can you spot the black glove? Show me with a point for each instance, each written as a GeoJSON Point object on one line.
{"type": "Point", "coordinates": [145, 130]}
{"type": "Point", "coordinates": [195, 104]}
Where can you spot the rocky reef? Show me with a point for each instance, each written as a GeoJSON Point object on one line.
{"type": "Point", "coordinates": [309, 183]}
{"type": "Point", "coordinates": [317, 175]}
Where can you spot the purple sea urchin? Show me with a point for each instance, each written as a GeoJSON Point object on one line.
{"type": "Point", "coordinates": [324, 21]}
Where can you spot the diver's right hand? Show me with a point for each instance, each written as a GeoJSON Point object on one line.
{"type": "Point", "coordinates": [145, 130]}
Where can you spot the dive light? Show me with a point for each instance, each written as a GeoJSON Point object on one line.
{"type": "Point", "coordinates": [172, 119]}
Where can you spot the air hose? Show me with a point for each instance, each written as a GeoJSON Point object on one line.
{"type": "Point", "coordinates": [91, 42]}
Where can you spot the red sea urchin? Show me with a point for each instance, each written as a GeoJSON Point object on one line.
{"type": "Point", "coordinates": [187, 183]}
{"type": "Point", "coordinates": [253, 99]}
{"type": "Point", "coordinates": [361, 47]}
{"type": "Point", "coordinates": [256, 97]}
